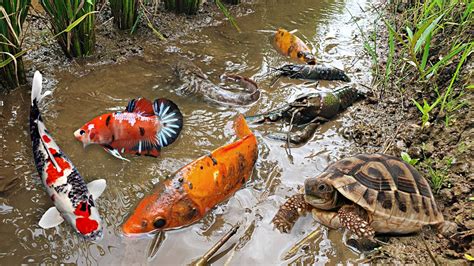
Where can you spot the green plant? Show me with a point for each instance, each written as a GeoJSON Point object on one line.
{"type": "Point", "coordinates": [189, 7]}
{"type": "Point", "coordinates": [12, 15]}
{"type": "Point", "coordinates": [406, 157]}
{"type": "Point", "coordinates": [438, 175]}
{"type": "Point", "coordinates": [227, 14]}
{"type": "Point", "coordinates": [80, 41]}
{"type": "Point", "coordinates": [426, 109]}
{"type": "Point", "coordinates": [125, 13]}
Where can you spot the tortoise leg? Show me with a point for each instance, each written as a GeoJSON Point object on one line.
{"type": "Point", "coordinates": [326, 218]}
{"type": "Point", "coordinates": [350, 219]}
{"type": "Point", "coordinates": [289, 213]}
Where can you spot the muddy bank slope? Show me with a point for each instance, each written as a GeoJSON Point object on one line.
{"type": "Point", "coordinates": [441, 148]}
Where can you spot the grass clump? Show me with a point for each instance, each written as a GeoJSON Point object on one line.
{"type": "Point", "coordinates": [12, 15]}
{"type": "Point", "coordinates": [125, 13]}
{"type": "Point", "coordinates": [428, 45]}
{"type": "Point", "coordinates": [189, 7]}
{"type": "Point", "coordinates": [80, 41]}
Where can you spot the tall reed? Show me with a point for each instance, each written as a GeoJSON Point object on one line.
{"type": "Point", "coordinates": [189, 7]}
{"type": "Point", "coordinates": [125, 13]}
{"type": "Point", "coordinates": [81, 40]}
{"type": "Point", "coordinates": [12, 15]}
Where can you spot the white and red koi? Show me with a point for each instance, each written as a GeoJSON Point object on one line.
{"type": "Point", "coordinates": [73, 199]}
{"type": "Point", "coordinates": [142, 129]}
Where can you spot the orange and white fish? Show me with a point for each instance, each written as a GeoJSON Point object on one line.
{"type": "Point", "coordinates": [74, 201]}
{"type": "Point", "coordinates": [190, 193]}
{"type": "Point", "coordinates": [143, 129]}
{"type": "Point", "coordinates": [290, 45]}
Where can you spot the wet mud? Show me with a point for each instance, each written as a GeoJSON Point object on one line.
{"type": "Point", "coordinates": [129, 66]}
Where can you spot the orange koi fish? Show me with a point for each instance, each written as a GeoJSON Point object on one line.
{"type": "Point", "coordinates": [193, 190]}
{"type": "Point", "coordinates": [288, 44]}
{"type": "Point", "coordinates": [142, 129]}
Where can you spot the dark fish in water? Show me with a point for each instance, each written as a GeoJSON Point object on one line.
{"type": "Point", "coordinates": [73, 199]}
{"type": "Point", "coordinates": [308, 111]}
{"type": "Point", "coordinates": [197, 83]}
{"type": "Point", "coordinates": [313, 72]}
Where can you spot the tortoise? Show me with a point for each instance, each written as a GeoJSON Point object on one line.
{"type": "Point", "coordinates": [367, 194]}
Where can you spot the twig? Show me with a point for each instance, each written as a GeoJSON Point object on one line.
{"type": "Point", "coordinates": [293, 250]}
{"type": "Point", "coordinates": [430, 252]}
{"type": "Point", "coordinates": [205, 258]}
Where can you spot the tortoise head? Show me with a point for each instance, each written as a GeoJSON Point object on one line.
{"type": "Point", "coordinates": [320, 194]}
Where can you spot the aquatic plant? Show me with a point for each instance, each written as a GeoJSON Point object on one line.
{"type": "Point", "coordinates": [125, 13]}
{"type": "Point", "coordinates": [189, 7]}
{"type": "Point", "coordinates": [12, 15]}
{"type": "Point", "coordinates": [80, 41]}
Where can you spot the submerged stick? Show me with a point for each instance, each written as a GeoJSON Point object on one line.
{"type": "Point", "coordinates": [155, 244]}
{"type": "Point", "coordinates": [293, 250]}
{"type": "Point", "coordinates": [205, 258]}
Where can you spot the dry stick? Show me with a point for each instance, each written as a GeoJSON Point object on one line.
{"type": "Point", "coordinates": [205, 258]}
{"type": "Point", "coordinates": [430, 252]}
{"type": "Point", "coordinates": [293, 250]}
{"type": "Point", "coordinates": [155, 245]}
{"type": "Point", "coordinates": [388, 143]}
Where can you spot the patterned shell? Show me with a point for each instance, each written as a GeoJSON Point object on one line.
{"type": "Point", "coordinates": [390, 190]}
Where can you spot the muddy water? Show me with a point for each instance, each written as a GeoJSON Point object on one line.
{"type": "Point", "coordinates": [326, 25]}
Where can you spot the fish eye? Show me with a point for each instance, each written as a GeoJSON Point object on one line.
{"type": "Point", "coordinates": [82, 132]}
{"type": "Point", "coordinates": [159, 223]}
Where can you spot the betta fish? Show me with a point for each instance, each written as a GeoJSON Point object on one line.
{"type": "Point", "coordinates": [74, 200]}
{"type": "Point", "coordinates": [142, 129]}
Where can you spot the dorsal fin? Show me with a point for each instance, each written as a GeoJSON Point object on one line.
{"type": "Point", "coordinates": [140, 106]}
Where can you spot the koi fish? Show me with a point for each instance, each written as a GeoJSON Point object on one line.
{"type": "Point", "coordinates": [74, 201]}
{"type": "Point", "coordinates": [195, 82]}
{"type": "Point", "coordinates": [191, 192]}
{"type": "Point", "coordinates": [288, 44]}
{"type": "Point", "coordinates": [142, 129]}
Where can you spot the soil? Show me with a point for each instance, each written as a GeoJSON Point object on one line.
{"type": "Point", "coordinates": [387, 122]}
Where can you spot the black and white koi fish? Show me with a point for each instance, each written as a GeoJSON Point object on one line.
{"type": "Point", "coordinates": [73, 199]}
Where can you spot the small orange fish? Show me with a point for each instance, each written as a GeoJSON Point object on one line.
{"type": "Point", "coordinates": [193, 190]}
{"type": "Point", "coordinates": [288, 44]}
{"type": "Point", "coordinates": [142, 129]}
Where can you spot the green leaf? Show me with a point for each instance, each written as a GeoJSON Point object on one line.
{"type": "Point", "coordinates": [228, 15]}
{"type": "Point", "coordinates": [77, 21]}
{"type": "Point", "coordinates": [425, 32]}
{"type": "Point", "coordinates": [406, 157]}
{"type": "Point", "coordinates": [468, 257]}
{"type": "Point", "coordinates": [410, 34]}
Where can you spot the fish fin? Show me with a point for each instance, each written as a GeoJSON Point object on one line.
{"type": "Point", "coordinates": [51, 218]}
{"type": "Point", "coordinates": [171, 121]}
{"type": "Point", "coordinates": [146, 147]}
{"type": "Point", "coordinates": [141, 106]}
{"type": "Point", "coordinates": [241, 128]}
{"type": "Point", "coordinates": [42, 132]}
{"type": "Point", "coordinates": [116, 154]}
{"type": "Point", "coordinates": [37, 87]}
{"type": "Point", "coordinates": [96, 188]}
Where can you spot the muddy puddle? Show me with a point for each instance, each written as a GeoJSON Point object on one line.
{"type": "Point", "coordinates": [326, 25]}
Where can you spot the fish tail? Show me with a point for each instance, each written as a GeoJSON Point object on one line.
{"type": "Point", "coordinates": [171, 120]}
{"type": "Point", "coordinates": [241, 127]}
{"type": "Point", "coordinates": [36, 95]}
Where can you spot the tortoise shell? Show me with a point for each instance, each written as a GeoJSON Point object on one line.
{"type": "Point", "coordinates": [396, 197]}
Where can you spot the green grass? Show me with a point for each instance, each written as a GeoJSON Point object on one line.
{"type": "Point", "coordinates": [12, 15]}
{"type": "Point", "coordinates": [189, 7]}
{"type": "Point", "coordinates": [80, 41]}
{"type": "Point", "coordinates": [426, 39]}
{"type": "Point", "coordinates": [125, 13]}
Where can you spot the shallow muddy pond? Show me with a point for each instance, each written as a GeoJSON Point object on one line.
{"type": "Point", "coordinates": [77, 98]}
